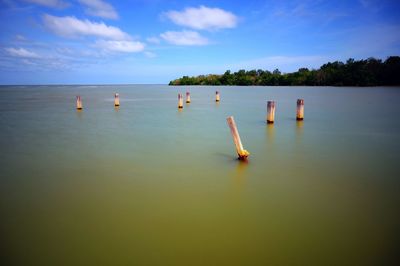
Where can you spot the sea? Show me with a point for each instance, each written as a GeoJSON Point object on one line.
{"type": "Point", "coordinates": [149, 184]}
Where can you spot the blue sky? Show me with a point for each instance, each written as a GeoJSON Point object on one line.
{"type": "Point", "coordinates": [154, 41]}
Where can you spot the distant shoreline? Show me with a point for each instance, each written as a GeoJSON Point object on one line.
{"type": "Point", "coordinates": [362, 73]}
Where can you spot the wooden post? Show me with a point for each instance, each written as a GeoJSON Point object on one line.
{"type": "Point", "coordinates": [187, 97]}
{"type": "Point", "coordinates": [300, 110]}
{"type": "Point", "coordinates": [78, 103]}
{"type": "Point", "coordinates": [217, 96]}
{"type": "Point", "coordinates": [270, 112]}
{"type": "Point", "coordinates": [180, 101]}
{"type": "Point", "coordinates": [242, 153]}
{"type": "Point", "coordinates": [116, 100]}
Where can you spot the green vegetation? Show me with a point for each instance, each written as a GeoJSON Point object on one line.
{"type": "Point", "coordinates": [370, 72]}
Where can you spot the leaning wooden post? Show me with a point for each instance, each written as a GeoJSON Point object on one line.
{"type": "Point", "coordinates": [300, 110]}
{"type": "Point", "coordinates": [180, 101]}
{"type": "Point", "coordinates": [217, 96]}
{"type": "Point", "coordinates": [242, 153]}
{"type": "Point", "coordinates": [187, 97]}
{"type": "Point", "coordinates": [116, 100]}
{"type": "Point", "coordinates": [78, 103]}
{"type": "Point", "coordinates": [270, 112]}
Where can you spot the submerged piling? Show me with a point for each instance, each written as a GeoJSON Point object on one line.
{"type": "Point", "coordinates": [270, 112]}
{"type": "Point", "coordinates": [300, 110]}
{"type": "Point", "coordinates": [79, 103]}
{"type": "Point", "coordinates": [116, 100]}
{"type": "Point", "coordinates": [187, 97]}
{"type": "Point", "coordinates": [180, 101]}
{"type": "Point", "coordinates": [242, 153]}
{"type": "Point", "coordinates": [217, 96]}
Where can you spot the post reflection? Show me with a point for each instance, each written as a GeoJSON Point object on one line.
{"type": "Point", "coordinates": [79, 113]}
{"type": "Point", "coordinates": [299, 130]}
{"type": "Point", "coordinates": [270, 133]}
{"type": "Point", "coordinates": [240, 175]}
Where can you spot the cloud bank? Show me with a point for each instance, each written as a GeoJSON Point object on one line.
{"type": "Point", "coordinates": [120, 46]}
{"type": "Point", "coordinates": [203, 18]}
{"type": "Point", "coordinates": [73, 27]}
{"type": "Point", "coordinates": [184, 38]}
{"type": "Point", "coordinates": [99, 8]}
{"type": "Point", "coordinates": [112, 39]}
{"type": "Point", "coordinates": [21, 52]}
{"type": "Point", "coordinates": [58, 4]}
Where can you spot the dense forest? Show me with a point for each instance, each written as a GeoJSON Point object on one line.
{"type": "Point", "coordinates": [370, 72]}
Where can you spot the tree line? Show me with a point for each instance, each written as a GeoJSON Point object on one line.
{"type": "Point", "coordinates": [369, 72]}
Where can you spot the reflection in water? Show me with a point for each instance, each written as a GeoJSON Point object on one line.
{"type": "Point", "coordinates": [239, 177]}
{"type": "Point", "coordinates": [116, 108]}
{"type": "Point", "coordinates": [79, 113]}
{"type": "Point", "coordinates": [299, 131]}
{"type": "Point", "coordinates": [270, 133]}
{"type": "Point", "coordinates": [241, 166]}
{"type": "Point", "coordinates": [298, 148]}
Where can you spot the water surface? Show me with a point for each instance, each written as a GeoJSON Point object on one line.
{"type": "Point", "coordinates": [147, 184]}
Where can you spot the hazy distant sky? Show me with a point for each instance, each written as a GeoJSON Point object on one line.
{"type": "Point", "coordinates": [154, 41]}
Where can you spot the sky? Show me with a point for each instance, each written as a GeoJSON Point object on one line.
{"type": "Point", "coordinates": [155, 41]}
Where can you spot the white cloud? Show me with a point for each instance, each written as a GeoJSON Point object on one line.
{"type": "Point", "coordinates": [29, 62]}
{"type": "Point", "coordinates": [150, 54]}
{"type": "Point", "coordinates": [120, 46]}
{"type": "Point", "coordinates": [50, 3]}
{"type": "Point", "coordinates": [203, 18]}
{"type": "Point", "coordinates": [184, 38]}
{"type": "Point", "coordinates": [72, 27]}
{"type": "Point", "coordinates": [21, 52]}
{"type": "Point", "coordinates": [153, 40]}
{"type": "Point", "coordinates": [20, 37]}
{"type": "Point", "coordinates": [99, 8]}
{"type": "Point", "coordinates": [65, 51]}
{"type": "Point", "coordinates": [110, 39]}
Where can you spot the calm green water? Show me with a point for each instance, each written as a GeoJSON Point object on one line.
{"type": "Point", "coordinates": [147, 184]}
